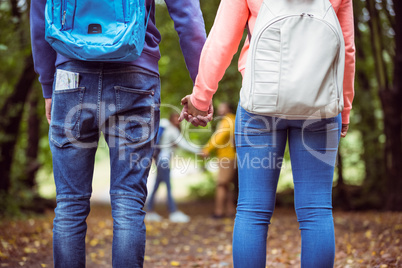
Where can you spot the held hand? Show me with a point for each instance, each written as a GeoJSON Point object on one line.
{"type": "Point", "coordinates": [48, 107]}
{"type": "Point", "coordinates": [184, 113]}
{"type": "Point", "coordinates": [203, 120]}
{"type": "Point", "coordinates": [193, 115]}
{"type": "Point", "coordinates": [344, 130]}
{"type": "Point", "coordinates": [191, 109]}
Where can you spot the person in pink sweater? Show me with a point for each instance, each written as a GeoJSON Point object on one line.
{"type": "Point", "coordinates": [312, 173]}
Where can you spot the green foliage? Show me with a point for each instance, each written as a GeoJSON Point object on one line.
{"type": "Point", "coordinates": [9, 206]}
{"type": "Point", "coordinates": [352, 149]}
{"type": "Point", "coordinates": [204, 190]}
{"type": "Point", "coordinates": [175, 80]}
{"type": "Point", "coordinates": [363, 149]}
{"type": "Point", "coordinates": [14, 48]}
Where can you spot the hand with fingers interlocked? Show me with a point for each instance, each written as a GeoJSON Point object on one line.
{"type": "Point", "coordinates": [193, 115]}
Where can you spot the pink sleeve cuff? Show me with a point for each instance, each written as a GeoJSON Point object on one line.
{"type": "Point", "coordinates": [345, 116]}
{"type": "Point", "coordinates": [200, 104]}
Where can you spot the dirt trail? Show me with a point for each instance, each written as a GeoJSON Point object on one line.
{"type": "Point", "coordinates": [363, 239]}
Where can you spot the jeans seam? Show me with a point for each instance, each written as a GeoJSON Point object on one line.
{"type": "Point", "coordinates": [142, 71]}
{"type": "Point", "coordinates": [99, 97]}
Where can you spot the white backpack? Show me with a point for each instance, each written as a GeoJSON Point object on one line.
{"type": "Point", "coordinates": [296, 61]}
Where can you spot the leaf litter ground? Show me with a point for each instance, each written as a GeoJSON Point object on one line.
{"type": "Point", "coordinates": [363, 239]}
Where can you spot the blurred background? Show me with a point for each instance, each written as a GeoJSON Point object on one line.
{"type": "Point", "coordinates": [368, 173]}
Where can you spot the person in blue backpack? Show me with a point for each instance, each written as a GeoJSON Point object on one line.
{"type": "Point", "coordinates": [88, 91]}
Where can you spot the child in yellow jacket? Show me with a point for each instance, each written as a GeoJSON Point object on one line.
{"type": "Point", "coordinates": [223, 142]}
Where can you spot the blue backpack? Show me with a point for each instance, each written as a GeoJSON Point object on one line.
{"type": "Point", "coordinates": [96, 30]}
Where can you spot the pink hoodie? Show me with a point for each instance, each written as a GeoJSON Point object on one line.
{"type": "Point", "coordinates": [224, 39]}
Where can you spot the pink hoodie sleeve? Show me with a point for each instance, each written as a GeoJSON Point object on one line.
{"type": "Point", "coordinates": [345, 16]}
{"type": "Point", "coordinates": [222, 43]}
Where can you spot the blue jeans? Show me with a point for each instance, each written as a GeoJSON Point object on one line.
{"type": "Point", "coordinates": [163, 175]}
{"type": "Point", "coordinates": [260, 144]}
{"type": "Point", "coordinates": [123, 103]}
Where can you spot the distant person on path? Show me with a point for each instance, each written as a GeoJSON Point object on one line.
{"type": "Point", "coordinates": [121, 99]}
{"type": "Point", "coordinates": [223, 142]}
{"type": "Point", "coordinates": [261, 138]}
{"type": "Point", "coordinates": [170, 138]}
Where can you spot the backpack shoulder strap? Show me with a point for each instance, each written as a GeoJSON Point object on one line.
{"type": "Point", "coordinates": [149, 13]}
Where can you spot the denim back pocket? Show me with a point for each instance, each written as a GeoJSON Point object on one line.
{"type": "Point", "coordinates": [135, 111]}
{"type": "Point", "coordinates": [65, 115]}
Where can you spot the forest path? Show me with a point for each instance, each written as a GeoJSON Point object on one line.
{"type": "Point", "coordinates": [363, 239]}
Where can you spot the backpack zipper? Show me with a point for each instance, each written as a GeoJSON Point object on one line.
{"type": "Point", "coordinates": [64, 8]}
{"type": "Point", "coordinates": [63, 21]}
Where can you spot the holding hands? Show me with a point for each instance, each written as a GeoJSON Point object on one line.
{"type": "Point", "coordinates": [193, 115]}
{"type": "Point", "coordinates": [201, 118]}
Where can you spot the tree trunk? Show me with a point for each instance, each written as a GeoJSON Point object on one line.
{"type": "Point", "coordinates": [393, 147]}
{"type": "Point", "coordinates": [373, 186]}
{"type": "Point", "coordinates": [340, 196]}
{"type": "Point", "coordinates": [32, 149]}
{"type": "Point", "coordinates": [392, 104]}
{"type": "Point", "coordinates": [391, 99]}
{"type": "Point", "coordinates": [11, 114]}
